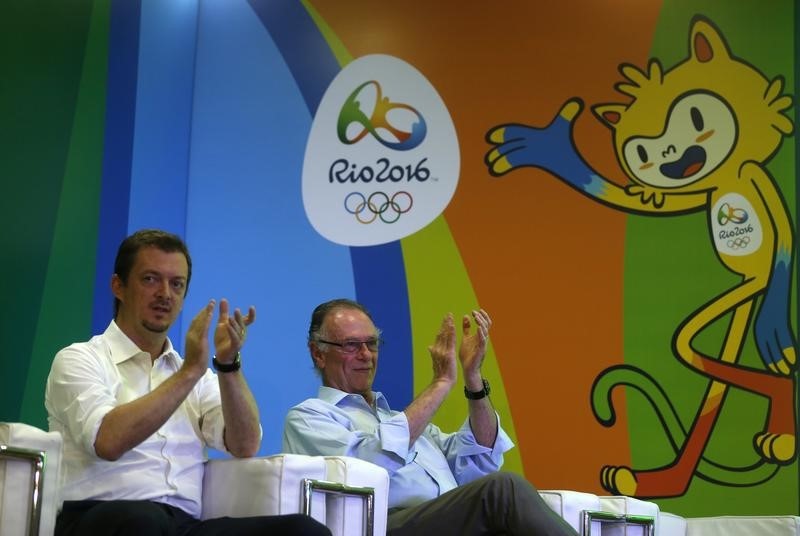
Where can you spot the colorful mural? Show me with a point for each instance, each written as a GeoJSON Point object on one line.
{"type": "Point", "coordinates": [695, 138]}
{"type": "Point", "coordinates": [195, 117]}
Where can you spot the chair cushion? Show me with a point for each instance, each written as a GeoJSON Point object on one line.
{"type": "Point", "coordinates": [671, 524]}
{"type": "Point", "coordinates": [743, 526]}
{"type": "Point", "coordinates": [268, 485]}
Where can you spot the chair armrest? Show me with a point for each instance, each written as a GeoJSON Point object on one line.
{"type": "Point", "coordinates": [30, 473]}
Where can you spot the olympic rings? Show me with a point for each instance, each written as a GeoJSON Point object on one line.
{"type": "Point", "coordinates": [738, 243]}
{"type": "Point", "coordinates": [378, 205]}
{"type": "Point", "coordinates": [359, 208]}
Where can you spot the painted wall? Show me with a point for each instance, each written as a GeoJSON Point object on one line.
{"type": "Point", "coordinates": [193, 116]}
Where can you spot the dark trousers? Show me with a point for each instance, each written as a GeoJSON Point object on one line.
{"type": "Point", "coordinates": [140, 518]}
{"type": "Point", "coordinates": [500, 503]}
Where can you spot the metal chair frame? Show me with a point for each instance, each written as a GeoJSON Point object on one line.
{"type": "Point", "coordinates": [309, 486]}
{"type": "Point", "coordinates": [38, 461]}
{"type": "Point", "coordinates": [588, 516]}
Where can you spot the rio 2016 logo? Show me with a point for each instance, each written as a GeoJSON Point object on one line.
{"type": "Point", "coordinates": [736, 226]}
{"type": "Point", "coordinates": [382, 158]}
{"type": "Point", "coordinates": [379, 121]}
{"type": "Point", "coordinates": [728, 214]}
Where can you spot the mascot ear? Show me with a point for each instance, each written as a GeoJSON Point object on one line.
{"type": "Point", "coordinates": [610, 114]}
{"type": "Point", "coordinates": [706, 42]}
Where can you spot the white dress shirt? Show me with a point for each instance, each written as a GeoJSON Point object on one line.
{"type": "Point", "coordinates": [87, 380]}
{"type": "Point", "coordinates": [341, 424]}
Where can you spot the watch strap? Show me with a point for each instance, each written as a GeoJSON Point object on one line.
{"type": "Point", "coordinates": [233, 366]}
{"type": "Point", "coordinates": [477, 395]}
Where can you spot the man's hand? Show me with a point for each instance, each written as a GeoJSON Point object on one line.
{"type": "Point", "coordinates": [231, 331]}
{"type": "Point", "coordinates": [473, 348]}
{"type": "Point", "coordinates": [443, 352]}
{"type": "Point", "coordinates": [242, 433]}
{"type": "Point", "coordinates": [196, 356]}
{"type": "Point", "coordinates": [445, 372]}
{"type": "Point", "coordinates": [482, 417]}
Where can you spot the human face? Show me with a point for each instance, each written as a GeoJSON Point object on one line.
{"type": "Point", "coordinates": [352, 373]}
{"type": "Point", "coordinates": [152, 298]}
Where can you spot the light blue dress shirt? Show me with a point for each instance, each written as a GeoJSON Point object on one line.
{"type": "Point", "coordinates": [341, 424]}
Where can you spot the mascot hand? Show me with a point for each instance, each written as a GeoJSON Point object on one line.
{"type": "Point", "coordinates": [518, 145]}
{"type": "Point", "coordinates": [646, 194]}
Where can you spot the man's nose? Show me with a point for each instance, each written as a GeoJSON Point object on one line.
{"type": "Point", "coordinates": [164, 289]}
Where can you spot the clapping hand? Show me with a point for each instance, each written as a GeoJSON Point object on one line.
{"type": "Point", "coordinates": [231, 331]}
{"type": "Point", "coordinates": [473, 344]}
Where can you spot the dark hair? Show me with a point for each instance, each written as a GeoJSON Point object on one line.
{"type": "Point", "coordinates": [322, 310]}
{"type": "Point", "coordinates": [129, 249]}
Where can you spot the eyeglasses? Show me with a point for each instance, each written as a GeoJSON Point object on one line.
{"type": "Point", "coordinates": [351, 347]}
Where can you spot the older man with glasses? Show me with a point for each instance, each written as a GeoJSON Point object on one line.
{"type": "Point", "coordinates": [439, 482]}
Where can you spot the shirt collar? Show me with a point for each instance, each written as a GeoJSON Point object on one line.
{"type": "Point", "coordinates": [335, 396]}
{"type": "Point", "coordinates": [123, 348]}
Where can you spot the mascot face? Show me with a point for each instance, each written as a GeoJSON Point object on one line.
{"type": "Point", "coordinates": [689, 128]}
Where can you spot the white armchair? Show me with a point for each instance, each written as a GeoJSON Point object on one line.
{"type": "Point", "coordinates": [617, 515]}
{"type": "Point", "coordinates": [348, 495]}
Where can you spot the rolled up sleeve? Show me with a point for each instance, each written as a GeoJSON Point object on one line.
{"type": "Point", "coordinates": [468, 459]}
{"type": "Point", "coordinates": [80, 392]}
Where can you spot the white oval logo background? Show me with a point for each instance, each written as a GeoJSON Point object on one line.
{"type": "Point", "coordinates": [384, 178]}
{"type": "Point", "coordinates": [735, 224]}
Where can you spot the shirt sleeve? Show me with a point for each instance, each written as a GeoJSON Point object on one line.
{"type": "Point", "coordinates": [212, 423]}
{"type": "Point", "coordinates": [319, 429]}
{"type": "Point", "coordinates": [468, 459]}
{"type": "Point", "coordinates": [80, 392]}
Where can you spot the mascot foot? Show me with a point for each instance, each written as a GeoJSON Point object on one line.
{"type": "Point", "coordinates": [618, 480]}
{"type": "Point", "coordinates": [775, 448]}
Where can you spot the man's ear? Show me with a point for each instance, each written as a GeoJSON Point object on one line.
{"type": "Point", "coordinates": [316, 355]}
{"type": "Point", "coordinates": [117, 286]}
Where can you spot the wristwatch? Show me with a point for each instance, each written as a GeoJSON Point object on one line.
{"type": "Point", "coordinates": [477, 395]}
{"type": "Point", "coordinates": [228, 367]}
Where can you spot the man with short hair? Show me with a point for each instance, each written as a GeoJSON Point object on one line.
{"type": "Point", "coordinates": [440, 483]}
{"type": "Point", "coordinates": [136, 418]}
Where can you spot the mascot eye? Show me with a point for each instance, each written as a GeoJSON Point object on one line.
{"type": "Point", "coordinates": [697, 119]}
{"type": "Point", "coordinates": [642, 153]}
